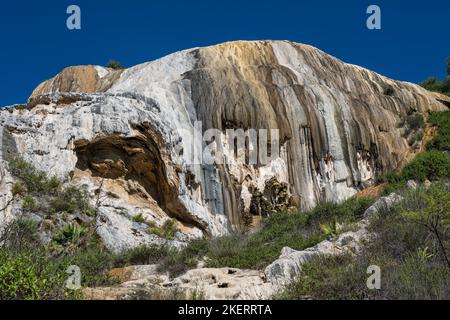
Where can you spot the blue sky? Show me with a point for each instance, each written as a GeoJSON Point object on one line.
{"type": "Point", "coordinates": [414, 41]}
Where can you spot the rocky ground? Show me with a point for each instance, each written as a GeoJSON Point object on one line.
{"type": "Point", "coordinates": [146, 282]}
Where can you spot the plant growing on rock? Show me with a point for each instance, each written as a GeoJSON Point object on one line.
{"type": "Point", "coordinates": [167, 231]}
{"type": "Point", "coordinates": [431, 211]}
{"type": "Point", "coordinates": [72, 232]}
{"type": "Point", "coordinates": [18, 189]}
{"type": "Point", "coordinates": [113, 64]}
{"type": "Point", "coordinates": [139, 218]}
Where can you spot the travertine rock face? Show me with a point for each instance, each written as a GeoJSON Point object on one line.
{"type": "Point", "coordinates": [132, 132]}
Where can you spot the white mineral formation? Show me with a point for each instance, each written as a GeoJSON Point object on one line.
{"type": "Point", "coordinates": [126, 135]}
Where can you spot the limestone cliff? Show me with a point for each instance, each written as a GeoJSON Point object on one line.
{"type": "Point", "coordinates": [130, 131]}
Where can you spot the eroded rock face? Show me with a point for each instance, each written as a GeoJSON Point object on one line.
{"type": "Point", "coordinates": [129, 132]}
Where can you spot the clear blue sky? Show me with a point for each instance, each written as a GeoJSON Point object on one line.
{"type": "Point", "coordinates": [414, 41]}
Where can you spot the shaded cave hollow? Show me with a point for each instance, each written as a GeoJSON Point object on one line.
{"type": "Point", "coordinates": [137, 159]}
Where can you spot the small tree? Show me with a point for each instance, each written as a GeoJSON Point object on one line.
{"type": "Point", "coordinates": [433, 213]}
{"type": "Point", "coordinates": [113, 64]}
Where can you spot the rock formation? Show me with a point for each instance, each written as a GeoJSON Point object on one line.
{"type": "Point", "coordinates": [131, 133]}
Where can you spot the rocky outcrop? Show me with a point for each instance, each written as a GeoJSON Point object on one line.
{"type": "Point", "coordinates": [87, 79]}
{"type": "Point", "coordinates": [138, 133]}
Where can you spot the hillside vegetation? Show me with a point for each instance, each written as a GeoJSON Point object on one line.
{"type": "Point", "coordinates": [412, 248]}
{"type": "Point", "coordinates": [434, 84]}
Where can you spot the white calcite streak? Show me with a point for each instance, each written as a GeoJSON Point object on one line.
{"type": "Point", "coordinates": [132, 132]}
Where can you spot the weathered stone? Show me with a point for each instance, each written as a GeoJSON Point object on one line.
{"type": "Point", "coordinates": [411, 184]}
{"type": "Point", "coordinates": [128, 131]}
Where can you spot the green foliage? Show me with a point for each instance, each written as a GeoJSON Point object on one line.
{"type": "Point", "coordinates": [433, 84]}
{"type": "Point", "coordinates": [441, 120]}
{"type": "Point", "coordinates": [178, 261]}
{"type": "Point", "coordinates": [113, 64]}
{"type": "Point", "coordinates": [139, 218]}
{"type": "Point", "coordinates": [27, 270]}
{"type": "Point", "coordinates": [71, 200]}
{"type": "Point", "coordinates": [171, 260]}
{"type": "Point", "coordinates": [415, 121]}
{"type": "Point", "coordinates": [37, 185]}
{"type": "Point", "coordinates": [29, 204]}
{"type": "Point", "coordinates": [95, 262]}
{"type": "Point", "coordinates": [34, 180]}
{"type": "Point", "coordinates": [23, 277]}
{"type": "Point", "coordinates": [431, 209]}
{"type": "Point", "coordinates": [72, 233]}
{"type": "Point", "coordinates": [432, 165]}
{"type": "Point", "coordinates": [22, 234]}
{"type": "Point", "coordinates": [167, 231]}
{"type": "Point", "coordinates": [297, 231]}
{"type": "Point", "coordinates": [150, 254]}
{"type": "Point", "coordinates": [409, 259]}
{"type": "Point", "coordinates": [18, 189]}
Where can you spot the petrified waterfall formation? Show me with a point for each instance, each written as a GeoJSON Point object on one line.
{"type": "Point", "coordinates": [339, 126]}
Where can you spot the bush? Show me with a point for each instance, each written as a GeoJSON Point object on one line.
{"type": "Point", "coordinates": [29, 204]}
{"type": "Point", "coordinates": [72, 233]}
{"type": "Point", "coordinates": [298, 231]}
{"type": "Point", "coordinates": [441, 141]}
{"type": "Point", "coordinates": [432, 165]}
{"type": "Point", "coordinates": [409, 259]}
{"type": "Point", "coordinates": [139, 218]}
{"type": "Point", "coordinates": [433, 84]}
{"type": "Point", "coordinates": [113, 64]}
{"type": "Point", "coordinates": [71, 200]}
{"type": "Point", "coordinates": [167, 231]}
{"type": "Point", "coordinates": [430, 209]}
{"type": "Point", "coordinates": [20, 234]}
{"type": "Point", "coordinates": [33, 274]}
{"type": "Point", "coordinates": [171, 260]}
{"type": "Point", "coordinates": [18, 189]}
{"type": "Point", "coordinates": [95, 262]}
{"type": "Point", "coordinates": [25, 278]}
{"type": "Point", "coordinates": [415, 121]}
{"type": "Point", "coordinates": [34, 180]}
{"type": "Point", "coordinates": [150, 254]}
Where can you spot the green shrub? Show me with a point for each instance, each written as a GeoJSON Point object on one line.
{"type": "Point", "coordinates": [167, 231]}
{"type": "Point", "coordinates": [415, 121]}
{"type": "Point", "coordinates": [433, 84]}
{"type": "Point", "coordinates": [18, 189]}
{"type": "Point", "coordinates": [22, 234]}
{"type": "Point", "coordinates": [441, 141]}
{"type": "Point", "coordinates": [72, 233]}
{"type": "Point", "coordinates": [113, 64]}
{"type": "Point", "coordinates": [430, 209]}
{"type": "Point", "coordinates": [95, 262]}
{"type": "Point", "coordinates": [432, 165]}
{"type": "Point", "coordinates": [298, 231]}
{"type": "Point", "coordinates": [29, 204]}
{"type": "Point", "coordinates": [71, 199]}
{"type": "Point", "coordinates": [139, 218]}
{"type": "Point", "coordinates": [410, 262]}
{"type": "Point", "coordinates": [32, 275]}
{"type": "Point", "coordinates": [53, 197]}
{"type": "Point", "coordinates": [149, 254]}
{"type": "Point", "coordinates": [36, 181]}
